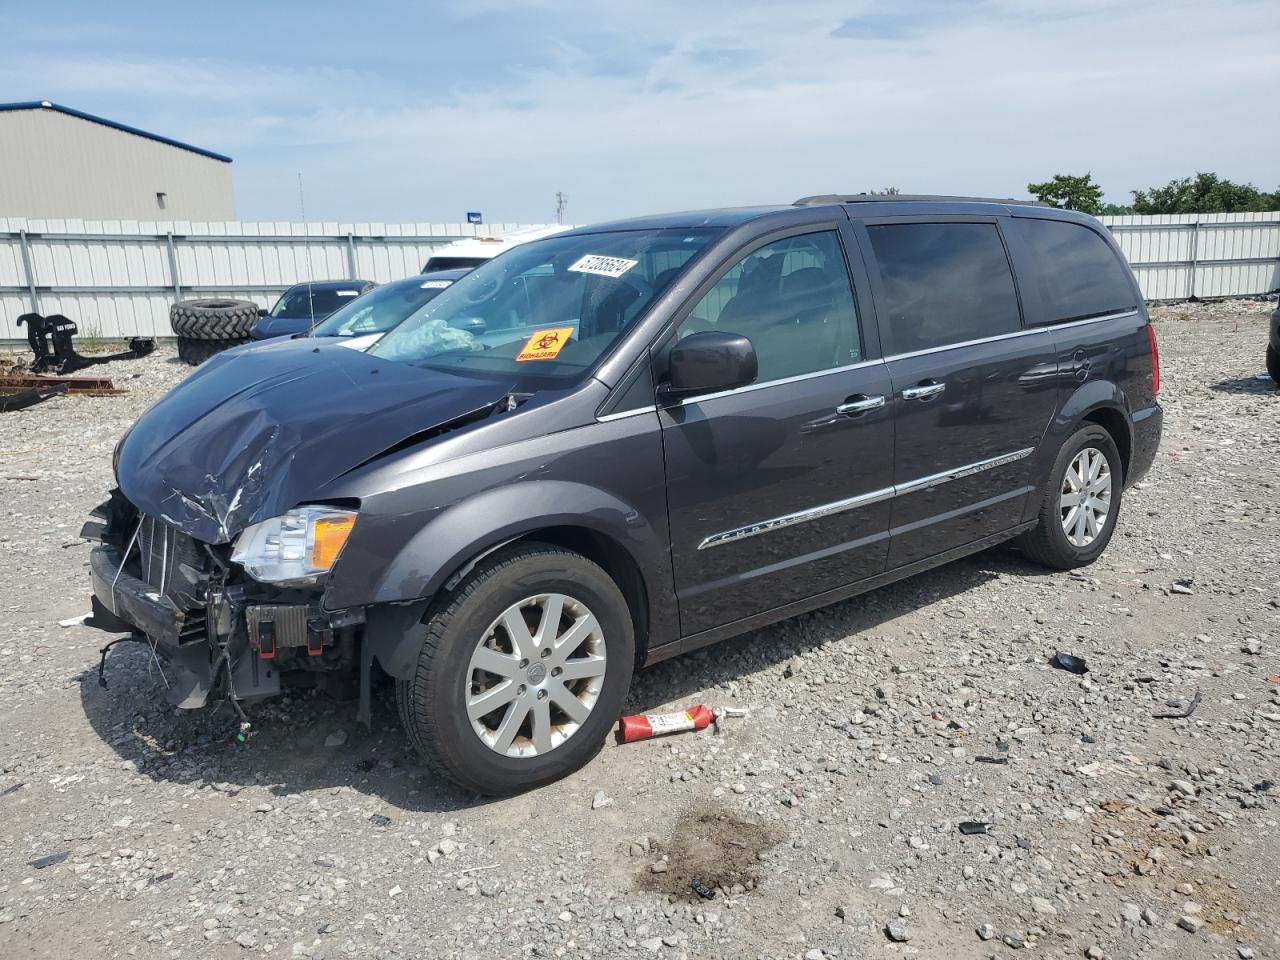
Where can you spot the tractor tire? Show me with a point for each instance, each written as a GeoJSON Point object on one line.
{"type": "Point", "coordinates": [213, 319]}
{"type": "Point", "coordinates": [196, 352]}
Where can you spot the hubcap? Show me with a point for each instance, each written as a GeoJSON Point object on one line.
{"type": "Point", "coordinates": [535, 675]}
{"type": "Point", "coordinates": [1085, 499]}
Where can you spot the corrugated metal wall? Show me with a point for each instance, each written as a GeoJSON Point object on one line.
{"type": "Point", "coordinates": [1179, 256]}
{"type": "Point", "coordinates": [118, 278]}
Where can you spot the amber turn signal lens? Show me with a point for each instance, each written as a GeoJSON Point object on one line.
{"type": "Point", "coordinates": [331, 533]}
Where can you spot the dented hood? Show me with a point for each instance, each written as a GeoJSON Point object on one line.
{"type": "Point", "coordinates": [256, 430]}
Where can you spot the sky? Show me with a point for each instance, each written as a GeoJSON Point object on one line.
{"type": "Point", "coordinates": [412, 112]}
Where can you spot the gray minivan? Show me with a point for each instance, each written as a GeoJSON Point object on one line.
{"type": "Point", "coordinates": [624, 442]}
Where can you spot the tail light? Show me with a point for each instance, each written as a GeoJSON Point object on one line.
{"type": "Point", "coordinates": [1155, 360]}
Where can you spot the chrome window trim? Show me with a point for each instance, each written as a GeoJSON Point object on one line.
{"type": "Point", "coordinates": [777, 383]}
{"type": "Point", "coordinates": [637, 411]}
{"type": "Point", "coordinates": [867, 363]}
{"type": "Point", "coordinates": [863, 500]}
{"type": "Point", "coordinates": [1009, 336]}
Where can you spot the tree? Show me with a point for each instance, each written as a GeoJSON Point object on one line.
{"type": "Point", "coordinates": [1069, 192]}
{"type": "Point", "coordinates": [1206, 193]}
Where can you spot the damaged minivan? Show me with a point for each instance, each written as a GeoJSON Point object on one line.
{"type": "Point", "coordinates": [622, 443]}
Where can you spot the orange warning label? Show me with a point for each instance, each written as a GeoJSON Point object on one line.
{"type": "Point", "coordinates": [545, 344]}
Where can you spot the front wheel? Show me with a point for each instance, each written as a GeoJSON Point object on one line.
{"type": "Point", "coordinates": [1081, 502]}
{"type": "Point", "coordinates": [523, 671]}
{"type": "Point", "coordinates": [1273, 364]}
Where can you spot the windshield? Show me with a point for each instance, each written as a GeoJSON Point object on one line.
{"type": "Point", "coordinates": [293, 302]}
{"type": "Point", "coordinates": [548, 308]}
{"type": "Point", "coordinates": [381, 308]}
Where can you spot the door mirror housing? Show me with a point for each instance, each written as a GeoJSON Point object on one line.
{"type": "Point", "coordinates": [708, 362]}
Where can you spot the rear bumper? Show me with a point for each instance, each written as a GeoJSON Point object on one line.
{"type": "Point", "coordinates": [1147, 427]}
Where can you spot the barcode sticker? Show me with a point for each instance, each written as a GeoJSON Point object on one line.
{"type": "Point", "coordinates": [603, 266]}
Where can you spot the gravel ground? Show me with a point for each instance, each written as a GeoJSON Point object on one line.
{"type": "Point", "coordinates": [827, 820]}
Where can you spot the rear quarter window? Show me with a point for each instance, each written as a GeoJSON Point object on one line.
{"type": "Point", "coordinates": [1077, 273]}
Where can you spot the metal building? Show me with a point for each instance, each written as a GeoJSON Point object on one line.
{"type": "Point", "coordinates": [60, 162]}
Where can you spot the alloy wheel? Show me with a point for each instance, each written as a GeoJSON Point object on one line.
{"type": "Point", "coordinates": [1085, 498]}
{"type": "Point", "coordinates": [535, 675]}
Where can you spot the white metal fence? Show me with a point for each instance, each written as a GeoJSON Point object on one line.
{"type": "Point", "coordinates": [119, 278]}
{"type": "Point", "coordinates": [1180, 256]}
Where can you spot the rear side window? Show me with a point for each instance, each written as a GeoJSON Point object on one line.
{"type": "Point", "coordinates": [1078, 274]}
{"type": "Point", "coordinates": [942, 283]}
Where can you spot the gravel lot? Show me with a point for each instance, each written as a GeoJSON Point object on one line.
{"type": "Point", "coordinates": [828, 818]}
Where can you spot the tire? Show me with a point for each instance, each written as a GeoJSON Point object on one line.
{"type": "Point", "coordinates": [1273, 364]}
{"type": "Point", "coordinates": [196, 352]}
{"type": "Point", "coordinates": [433, 703]}
{"type": "Point", "coordinates": [1048, 543]}
{"type": "Point", "coordinates": [213, 319]}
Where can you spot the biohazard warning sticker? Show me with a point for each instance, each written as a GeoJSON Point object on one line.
{"type": "Point", "coordinates": [545, 344]}
{"type": "Point", "coordinates": [603, 266]}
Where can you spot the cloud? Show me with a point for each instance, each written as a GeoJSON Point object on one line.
{"type": "Point", "coordinates": [637, 108]}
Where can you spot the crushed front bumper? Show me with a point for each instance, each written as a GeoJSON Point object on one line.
{"type": "Point", "coordinates": [134, 604]}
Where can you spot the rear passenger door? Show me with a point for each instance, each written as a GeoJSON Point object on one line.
{"type": "Point", "coordinates": [973, 389]}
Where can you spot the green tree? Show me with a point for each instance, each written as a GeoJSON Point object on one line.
{"type": "Point", "coordinates": [1069, 192]}
{"type": "Point", "coordinates": [1205, 193]}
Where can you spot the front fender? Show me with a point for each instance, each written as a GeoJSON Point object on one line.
{"type": "Point", "coordinates": [468, 528]}
{"type": "Point", "coordinates": [455, 538]}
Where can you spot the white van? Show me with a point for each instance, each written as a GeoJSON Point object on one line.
{"type": "Point", "coordinates": [472, 251]}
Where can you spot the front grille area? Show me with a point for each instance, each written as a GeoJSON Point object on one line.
{"type": "Point", "coordinates": [172, 562]}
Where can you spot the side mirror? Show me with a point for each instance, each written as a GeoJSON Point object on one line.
{"type": "Point", "coordinates": [262, 312]}
{"type": "Point", "coordinates": [708, 362]}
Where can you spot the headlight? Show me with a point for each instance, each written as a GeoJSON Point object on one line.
{"type": "Point", "coordinates": [296, 547]}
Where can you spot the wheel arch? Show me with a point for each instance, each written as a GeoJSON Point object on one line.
{"type": "Point", "coordinates": [574, 516]}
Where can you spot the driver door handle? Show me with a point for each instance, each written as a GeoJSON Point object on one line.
{"type": "Point", "coordinates": [923, 391]}
{"type": "Point", "coordinates": [860, 403]}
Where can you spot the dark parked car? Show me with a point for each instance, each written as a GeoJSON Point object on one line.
{"type": "Point", "coordinates": [302, 306]}
{"type": "Point", "coordinates": [1273, 347]}
{"type": "Point", "coordinates": [362, 321]}
{"type": "Point", "coordinates": [622, 443]}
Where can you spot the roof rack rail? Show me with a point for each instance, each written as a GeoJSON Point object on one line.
{"type": "Point", "coordinates": [825, 198]}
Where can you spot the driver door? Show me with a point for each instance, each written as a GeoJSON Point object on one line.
{"type": "Point", "coordinates": [779, 490]}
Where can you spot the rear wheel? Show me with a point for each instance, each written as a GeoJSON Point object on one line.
{"type": "Point", "coordinates": [1273, 364]}
{"type": "Point", "coordinates": [1081, 502]}
{"type": "Point", "coordinates": [523, 671]}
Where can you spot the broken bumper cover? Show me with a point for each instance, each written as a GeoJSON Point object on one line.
{"type": "Point", "coordinates": [124, 604]}
{"type": "Point", "coordinates": [131, 602]}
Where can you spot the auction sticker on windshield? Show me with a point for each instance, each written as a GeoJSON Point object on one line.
{"type": "Point", "coordinates": [603, 266]}
{"type": "Point", "coordinates": [545, 344]}
{"type": "Point", "coordinates": [435, 284]}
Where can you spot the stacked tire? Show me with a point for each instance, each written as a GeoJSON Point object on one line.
{"type": "Point", "coordinates": [206, 327]}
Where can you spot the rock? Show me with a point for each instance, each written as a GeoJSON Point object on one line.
{"type": "Point", "coordinates": [336, 739]}
{"type": "Point", "coordinates": [986, 932]}
{"type": "Point", "coordinates": [1184, 787]}
{"type": "Point", "coordinates": [653, 944]}
{"type": "Point", "coordinates": [1189, 923]}
{"type": "Point", "coordinates": [1131, 913]}
{"type": "Point", "coordinates": [394, 892]}
{"type": "Point", "coordinates": [897, 931]}
{"type": "Point", "coordinates": [248, 940]}
{"type": "Point", "coordinates": [659, 867]}
{"type": "Point", "coordinates": [1043, 907]}
{"type": "Point", "coordinates": [601, 800]}
{"type": "Point", "coordinates": [1244, 953]}
{"type": "Point", "coordinates": [1013, 940]}
{"type": "Point", "coordinates": [1094, 953]}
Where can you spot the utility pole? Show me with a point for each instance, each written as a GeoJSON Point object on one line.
{"type": "Point", "coordinates": [561, 202]}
